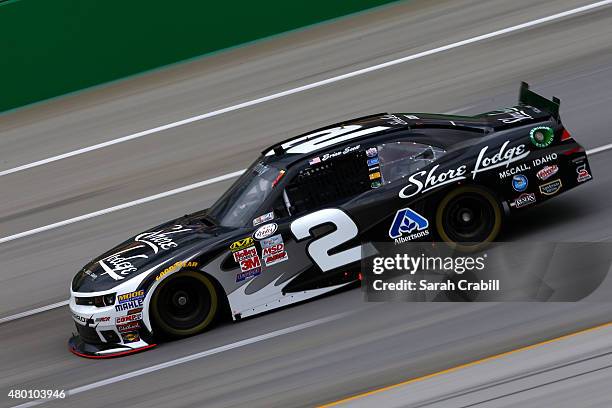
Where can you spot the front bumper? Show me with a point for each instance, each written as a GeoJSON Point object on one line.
{"type": "Point", "coordinates": [108, 331]}
{"type": "Point", "coordinates": [78, 346]}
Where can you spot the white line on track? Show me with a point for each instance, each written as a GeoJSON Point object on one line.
{"type": "Point", "coordinates": [34, 311]}
{"type": "Point", "coordinates": [313, 85]}
{"type": "Point", "coordinates": [191, 357]}
{"type": "Point", "coordinates": [141, 201]}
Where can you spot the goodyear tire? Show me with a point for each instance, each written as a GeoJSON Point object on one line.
{"type": "Point", "coordinates": [184, 304]}
{"type": "Point", "coordinates": [469, 218]}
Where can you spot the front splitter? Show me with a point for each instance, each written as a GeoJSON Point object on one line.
{"type": "Point", "coordinates": [78, 347]}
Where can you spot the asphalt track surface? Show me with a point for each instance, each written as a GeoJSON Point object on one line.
{"type": "Point", "coordinates": [369, 345]}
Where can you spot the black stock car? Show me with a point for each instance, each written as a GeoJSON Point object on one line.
{"type": "Point", "coordinates": [290, 228]}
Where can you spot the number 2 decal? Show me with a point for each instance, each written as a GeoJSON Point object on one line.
{"type": "Point", "coordinates": [319, 248]}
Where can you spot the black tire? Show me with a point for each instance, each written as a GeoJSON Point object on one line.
{"type": "Point", "coordinates": [469, 218]}
{"type": "Point", "coordinates": [184, 304]}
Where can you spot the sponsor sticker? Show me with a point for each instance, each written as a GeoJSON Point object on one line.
{"type": "Point", "coordinates": [523, 200]}
{"type": "Point", "coordinates": [551, 188]}
{"type": "Point", "coordinates": [265, 231]}
{"type": "Point", "coordinates": [547, 172]}
{"type": "Point", "coordinates": [128, 326]}
{"type": "Point", "coordinates": [372, 152]}
{"type": "Point", "coordinates": [583, 173]}
{"type": "Point", "coordinates": [241, 244]}
{"type": "Point", "coordinates": [80, 318]}
{"type": "Point", "coordinates": [128, 318]}
{"type": "Point", "coordinates": [376, 184]}
{"type": "Point", "coordinates": [130, 337]}
{"type": "Point", "coordinates": [541, 136]}
{"type": "Point", "coordinates": [250, 263]}
{"type": "Point", "coordinates": [408, 225]}
{"type": "Point", "coordinates": [242, 276]}
{"type": "Point", "coordinates": [132, 304]}
{"type": "Point", "coordinates": [263, 218]}
{"type": "Point", "coordinates": [126, 297]}
{"type": "Point", "coordinates": [245, 253]}
{"type": "Point", "coordinates": [177, 265]}
{"type": "Point", "coordinates": [374, 176]}
{"type": "Point", "coordinates": [373, 161]}
{"type": "Point", "coordinates": [102, 319]}
{"type": "Point", "coordinates": [273, 250]}
{"type": "Point", "coordinates": [519, 183]}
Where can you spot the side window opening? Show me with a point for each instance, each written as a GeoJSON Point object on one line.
{"type": "Point", "coordinates": [327, 182]}
{"type": "Point", "coordinates": [400, 159]}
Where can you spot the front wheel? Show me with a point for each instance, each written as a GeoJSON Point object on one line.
{"type": "Point", "coordinates": [184, 304]}
{"type": "Point", "coordinates": [469, 217]}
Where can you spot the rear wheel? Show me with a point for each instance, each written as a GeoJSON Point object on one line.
{"type": "Point", "coordinates": [469, 217]}
{"type": "Point", "coordinates": [184, 304]}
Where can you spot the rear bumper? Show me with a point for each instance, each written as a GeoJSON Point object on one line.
{"type": "Point", "coordinates": [79, 347]}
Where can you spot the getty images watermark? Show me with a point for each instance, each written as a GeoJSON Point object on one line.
{"type": "Point", "coordinates": [436, 271]}
{"type": "Point", "coordinates": [407, 264]}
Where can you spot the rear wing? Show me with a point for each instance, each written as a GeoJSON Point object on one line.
{"type": "Point", "coordinates": [527, 97]}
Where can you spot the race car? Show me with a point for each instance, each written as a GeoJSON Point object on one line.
{"type": "Point", "coordinates": [292, 226]}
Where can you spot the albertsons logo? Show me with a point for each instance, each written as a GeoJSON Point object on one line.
{"type": "Point", "coordinates": [408, 225]}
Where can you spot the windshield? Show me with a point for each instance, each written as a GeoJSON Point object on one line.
{"type": "Point", "coordinates": [400, 159]}
{"type": "Point", "coordinates": [237, 207]}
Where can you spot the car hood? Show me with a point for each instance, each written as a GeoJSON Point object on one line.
{"type": "Point", "coordinates": [150, 249]}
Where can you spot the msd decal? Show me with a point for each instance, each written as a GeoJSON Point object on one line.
{"type": "Point", "coordinates": [273, 250]}
{"type": "Point", "coordinates": [406, 222]}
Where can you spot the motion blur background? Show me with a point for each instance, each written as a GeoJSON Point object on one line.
{"type": "Point", "coordinates": [49, 48]}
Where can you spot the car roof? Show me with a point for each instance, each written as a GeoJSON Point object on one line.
{"type": "Point", "coordinates": [437, 129]}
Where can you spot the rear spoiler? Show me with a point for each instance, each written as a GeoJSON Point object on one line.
{"type": "Point", "coordinates": [527, 97]}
